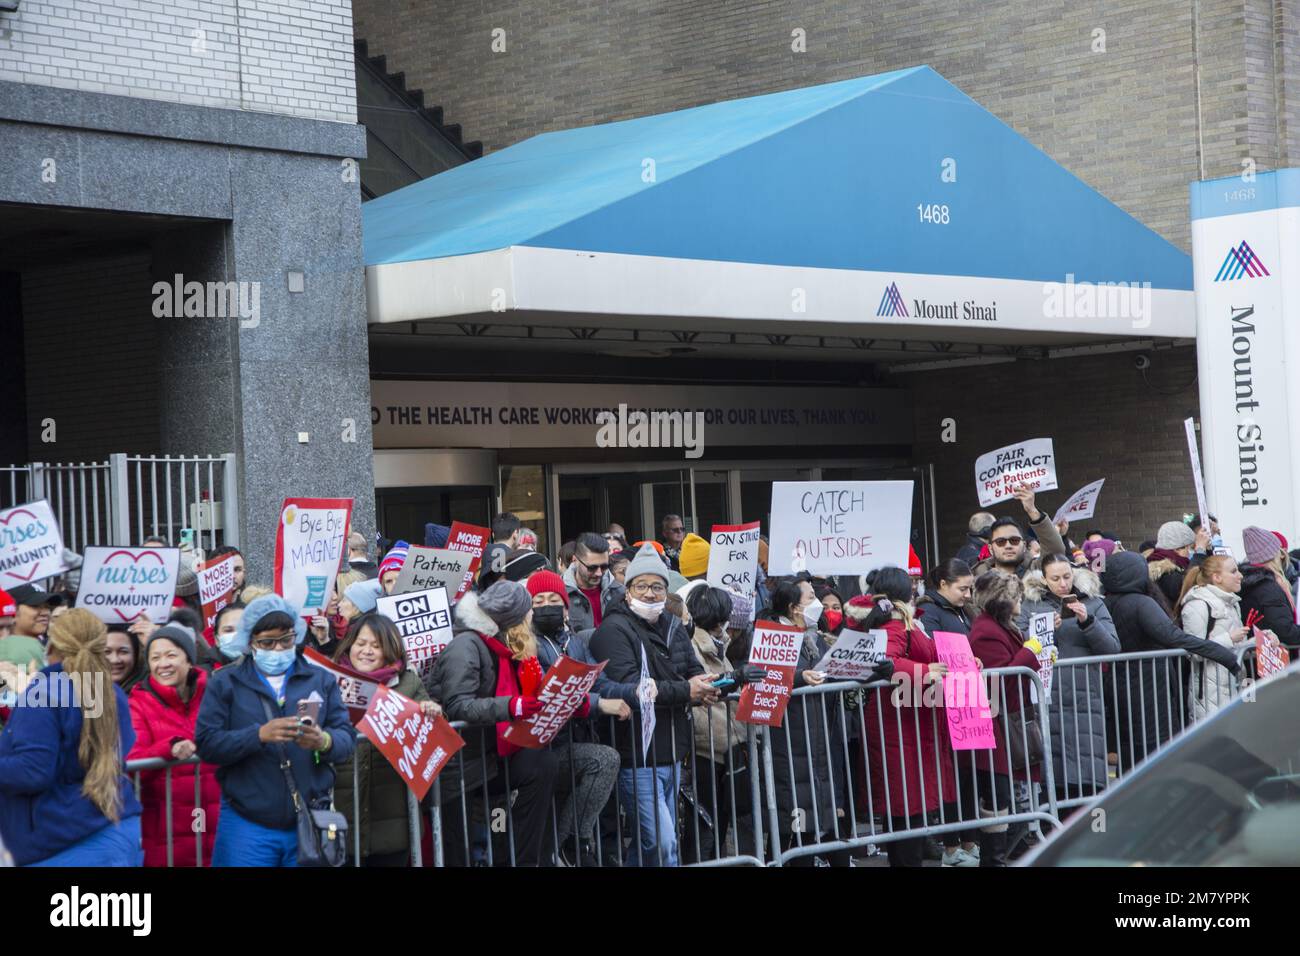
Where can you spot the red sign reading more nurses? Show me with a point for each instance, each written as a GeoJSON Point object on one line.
{"type": "Point", "coordinates": [776, 647]}
{"type": "Point", "coordinates": [564, 688]}
{"type": "Point", "coordinates": [474, 539]}
{"type": "Point", "coordinates": [417, 746]}
{"type": "Point", "coordinates": [216, 586]}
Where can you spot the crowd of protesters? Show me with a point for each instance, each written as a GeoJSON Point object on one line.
{"type": "Point", "coordinates": [210, 717]}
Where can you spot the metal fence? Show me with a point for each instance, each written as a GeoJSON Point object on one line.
{"type": "Point", "coordinates": [853, 768]}
{"type": "Point", "coordinates": [126, 498]}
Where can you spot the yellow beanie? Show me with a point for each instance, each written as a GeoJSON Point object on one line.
{"type": "Point", "coordinates": [693, 559]}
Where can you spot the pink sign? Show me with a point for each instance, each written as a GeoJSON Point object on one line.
{"type": "Point", "coordinates": [970, 723]}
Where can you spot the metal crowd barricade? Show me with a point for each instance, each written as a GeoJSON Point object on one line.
{"type": "Point", "coordinates": [136, 770]}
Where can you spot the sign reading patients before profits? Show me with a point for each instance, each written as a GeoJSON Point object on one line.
{"type": "Point", "coordinates": [839, 527]}
{"type": "Point", "coordinates": [117, 584]}
{"type": "Point", "coordinates": [30, 544]}
{"type": "Point", "coordinates": [310, 543]}
{"type": "Point", "coordinates": [426, 568]}
{"type": "Point", "coordinates": [1031, 462]}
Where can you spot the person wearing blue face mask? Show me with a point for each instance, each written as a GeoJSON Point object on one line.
{"type": "Point", "coordinates": [248, 723]}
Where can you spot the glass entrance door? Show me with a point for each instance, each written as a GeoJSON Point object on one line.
{"type": "Point", "coordinates": [639, 500]}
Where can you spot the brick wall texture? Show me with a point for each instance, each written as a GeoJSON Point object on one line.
{"type": "Point", "coordinates": [292, 57]}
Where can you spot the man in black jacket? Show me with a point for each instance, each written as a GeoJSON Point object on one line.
{"type": "Point", "coordinates": [635, 638]}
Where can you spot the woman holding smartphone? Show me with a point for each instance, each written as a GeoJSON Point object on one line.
{"type": "Point", "coordinates": [1082, 627]}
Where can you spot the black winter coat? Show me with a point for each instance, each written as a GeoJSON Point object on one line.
{"type": "Point", "coordinates": [1261, 592]}
{"type": "Point", "coordinates": [936, 613]}
{"type": "Point", "coordinates": [620, 640]}
{"type": "Point", "coordinates": [1149, 706]}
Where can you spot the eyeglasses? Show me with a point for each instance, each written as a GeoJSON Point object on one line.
{"type": "Point", "coordinates": [676, 530]}
{"type": "Point", "coordinates": [274, 643]}
{"type": "Point", "coordinates": [648, 589]}
{"type": "Point", "coordinates": [1003, 542]}
{"type": "Point", "coordinates": [592, 567]}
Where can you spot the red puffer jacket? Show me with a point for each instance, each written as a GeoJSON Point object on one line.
{"type": "Point", "coordinates": [908, 753]}
{"type": "Point", "coordinates": [160, 719]}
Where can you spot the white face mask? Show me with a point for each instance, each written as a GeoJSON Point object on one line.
{"type": "Point", "coordinates": [646, 611]}
{"type": "Point", "coordinates": [812, 613]}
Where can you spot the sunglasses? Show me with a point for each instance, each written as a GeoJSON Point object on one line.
{"type": "Point", "coordinates": [592, 567]}
{"type": "Point", "coordinates": [1003, 542]}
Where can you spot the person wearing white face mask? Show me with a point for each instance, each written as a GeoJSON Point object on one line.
{"type": "Point", "coordinates": [635, 634]}
{"type": "Point", "coordinates": [250, 722]}
{"type": "Point", "coordinates": [225, 630]}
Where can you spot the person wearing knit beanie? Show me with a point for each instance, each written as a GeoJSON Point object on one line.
{"type": "Point", "coordinates": [521, 562]}
{"type": "Point", "coordinates": [507, 603]}
{"type": "Point", "coordinates": [178, 634]}
{"type": "Point", "coordinates": [1174, 535]}
{"type": "Point", "coordinates": [436, 535]}
{"type": "Point", "coordinates": [391, 566]}
{"type": "Point", "coordinates": [693, 558]}
{"type": "Point", "coordinates": [547, 582]}
{"type": "Point", "coordinates": [647, 561]}
{"type": "Point", "coordinates": [856, 611]}
{"type": "Point", "coordinates": [1261, 545]}
{"type": "Point", "coordinates": [363, 596]}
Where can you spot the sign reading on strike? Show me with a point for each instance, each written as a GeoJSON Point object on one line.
{"type": "Point", "coordinates": [1042, 627]}
{"type": "Point", "coordinates": [1081, 504]}
{"type": "Point", "coordinates": [424, 621]}
{"type": "Point", "coordinates": [355, 690]}
{"type": "Point", "coordinates": [416, 745]}
{"type": "Point", "coordinates": [473, 539]}
{"type": "Point", "coordinates": [839, 527]}
{"type": "Point", "coordinates": [733, 557]}
{"type": "Point", "coordinates": [30, 544]}
{"type": "Point", "coordinates": [1029, 462]}
{"type": "Point", "coordinates": [427, 568]}
{"type": "Point", "coordinates": [776, 648]}
{"type": "Point", "coordinates": [310, 543]}
{"type": "Point", "coordinates": [965, 699]}
{"type": "Point", "coordinates": [216, 586]}
{"type": "Point", "coordinates": [1270, 655]}
{"type": "Point", "coordinates": [119, 583]}
{"type": "Point", "coordinates": [564, 690]}
{"type": "Point", "coordinates": [854, 655]}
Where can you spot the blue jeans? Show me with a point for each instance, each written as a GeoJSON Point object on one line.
{"type": "Point", "coordinates": [241, 842]}
{"type": "Point", "coordinates": [655, 803]}
{"type": "Point", "coordinates": [116, 845]}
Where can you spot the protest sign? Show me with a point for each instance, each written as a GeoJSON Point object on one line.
{"type": "Point", "coordinates": [1043, 628]}
{"type": "Point", "coordinates": [1030, 462]}
{"type": "Point", "coordinates": [965, 699]}
{"type": "Point", "coordinates": [776, 648]}
{"type": "Point", "coordinates": [1189, 426]}
{"type": "Point", "coordinates": [1270, 655]}
{"type": "Point", "coordinates": [424, 621]}
{"type": "Point", "coordinates": [118, 583]}
{"type": "Point", "coordinates": [310, 543]}
{"type": "Point", "coordinates": [417, 746]}
{"type": "Point", "coordinates": [564, 689]}
{"type": "Point", "coordinates": [854, 655]}
{"type": "Point", "coordinates": [839, 527]}
{"type": "Point", "coordinates": [427, 568]}
{"type": "Point", "coordinates": [216, 586]}
{"type": "Point", "coordinates": [30, 544]}
{"type": "Point", "coordinates": [355, 690]}
{"type": "Point", "coordinates": [646, 701]}
{"type": "Point", "coordinates": [1081, 504]}
{"type": "Point", "coordinates": [742, 609]}
{"type": "Point", "coordinates": [473, 539]}
{"type": "Point", "coordinates": [733, 557]}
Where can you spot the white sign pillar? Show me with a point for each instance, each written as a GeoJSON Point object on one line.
{"type": "Point", "coordinates": [1246, 262]}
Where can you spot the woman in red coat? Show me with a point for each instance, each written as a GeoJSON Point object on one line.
{"type": "Point", "coordinates": [164, 708]}
{"type": "Point", "coordinates": [908, 752]}
{"type": "Point", "coordinates": [997, 642]}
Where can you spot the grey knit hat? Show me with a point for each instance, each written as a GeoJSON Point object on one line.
{"type": "Point", "coordinates": [1174, 535]}
{"type": "Point", "coordinates": [647, 561]}
{"type": "Point", "coordinates": [506, 602]}
{"type": "Point", "coordinates": [178, 634]}
{"type": "Point", "coordinates": [1262, 545]}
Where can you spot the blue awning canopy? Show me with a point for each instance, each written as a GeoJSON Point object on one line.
{"type": "Point", "coordinates": [884, 200]}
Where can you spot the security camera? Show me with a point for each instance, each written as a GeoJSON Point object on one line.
{"type": "Point", "coordinates": [1142, 362]}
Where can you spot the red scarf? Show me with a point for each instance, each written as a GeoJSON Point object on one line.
{"type": "Point", "coordinates": [1167, 555]}
{"type": "Point", "coordinates": [507, 686]}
